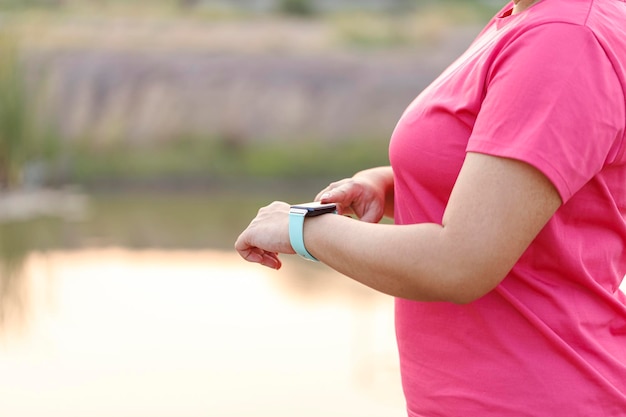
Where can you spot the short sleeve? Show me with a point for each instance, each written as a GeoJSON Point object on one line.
{"type": "Point", "coordinates": [553, 100]}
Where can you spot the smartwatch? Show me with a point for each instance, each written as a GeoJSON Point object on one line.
{"type": "Point", "coordinates": [297, 214]}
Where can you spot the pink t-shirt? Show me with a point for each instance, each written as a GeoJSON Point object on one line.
{"type": "Point", "coordinates": [545, 86]}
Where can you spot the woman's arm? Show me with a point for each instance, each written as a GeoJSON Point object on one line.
{"type": "Point", "coordinates": [496, 209]}
{"type": "Point", "coordinates": [368, 195]}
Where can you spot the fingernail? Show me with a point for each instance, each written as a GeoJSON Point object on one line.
{"type": "Point", "coordinates": [325, 195]}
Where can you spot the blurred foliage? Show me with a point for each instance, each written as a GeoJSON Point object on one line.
{"type": "Point", "coordinates": [13, 111]}
{"type": "Point", "coordinates": [407, 24]}
{"type": "Point", "coordinates": [21, 144]}
{"type": "Point", "coordinates": [27, 4]}
{"type": "Point", "coordinates": [217, 160]}
{"type": "Point", "coordinates": [12, 138]}
{"type": "Point", "coordinates": [15, 244]}
{"type": "Point", "coordinates": [303, 8]}
{"type": "Point", "coordinates": [373, 30]}
{"type": "Point", "coordinates": [22, 140]}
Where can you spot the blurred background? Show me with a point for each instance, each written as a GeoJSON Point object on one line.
{"type": "Point", "coordinates": [137, 139]}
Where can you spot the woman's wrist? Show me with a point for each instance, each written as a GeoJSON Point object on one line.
{"type": "Point", "coordinates": [316, 233]}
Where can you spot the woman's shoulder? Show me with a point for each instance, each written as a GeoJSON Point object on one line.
{"type": "Point", "coordinates": [601, 21]}
{"type": "Point", "coordinates": [596, 15]}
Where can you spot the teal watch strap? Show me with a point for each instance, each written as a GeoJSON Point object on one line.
{"type": "Point", "coordinates": [296, 224]}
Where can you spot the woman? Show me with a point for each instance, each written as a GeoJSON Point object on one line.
{"type": "Point", "coordinates": [508, 190]}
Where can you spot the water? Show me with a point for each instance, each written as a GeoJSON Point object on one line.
{"type": "Point", "coordinates": [161, 333]}
{"type": "Point", "coordinates": [94, 327]}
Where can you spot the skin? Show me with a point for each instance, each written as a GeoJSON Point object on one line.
{"type": "Point", "coordinates": [521, 5]}
{"type": "Point", "coordinates": [497, 207]}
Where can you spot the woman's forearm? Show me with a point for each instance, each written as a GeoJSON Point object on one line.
{"type": "Point", "coordinates": [498, 206]}
{"type": "Point", "coordinates": [412, 262]}
{"type": "Point", "coordinates": [402, 261]}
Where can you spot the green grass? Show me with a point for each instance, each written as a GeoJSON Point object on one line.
{"type": "Point", "coordinates": [417, 25]}
{"type": "Point", "coordinates": [399, 24]}
{"type": "Point", "coordinates": [21, 139]}
{"type": "Point", "coordinates": [12, 111]}
{"type": "Point", "coordinates": [215, 160]}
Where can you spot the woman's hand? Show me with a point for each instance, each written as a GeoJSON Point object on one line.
{"type": "Point", "coordinates": [368, 194]}
{"type": "Point", "coordinates": [266, 236]}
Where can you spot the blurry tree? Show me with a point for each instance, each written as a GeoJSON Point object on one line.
{"type": "Point", "coordinates": [13, 249]}
{"type": "Point", "coordinates": [12, 112]}
{"type": "Point", "coordinates": [296, 7]}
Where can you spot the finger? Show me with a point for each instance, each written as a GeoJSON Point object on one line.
{"type": "Point", "coordinates": [342, 197]}
{"type": "Point", "coordinates": [326, 192]}
{"type": "Point", "coordinates": [325, 196]}
{"type": "Point", "coordinates": [332, 194]}
{"type": "Point", "coordinates": [259, 256]}
{"type": "Point", "coordinates": [271, 260]}
{"type": "Point", "coordinates": [251, 254]}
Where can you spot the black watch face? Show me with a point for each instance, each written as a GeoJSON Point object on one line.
{"type": "Point", "coordinates": [316, 208]}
